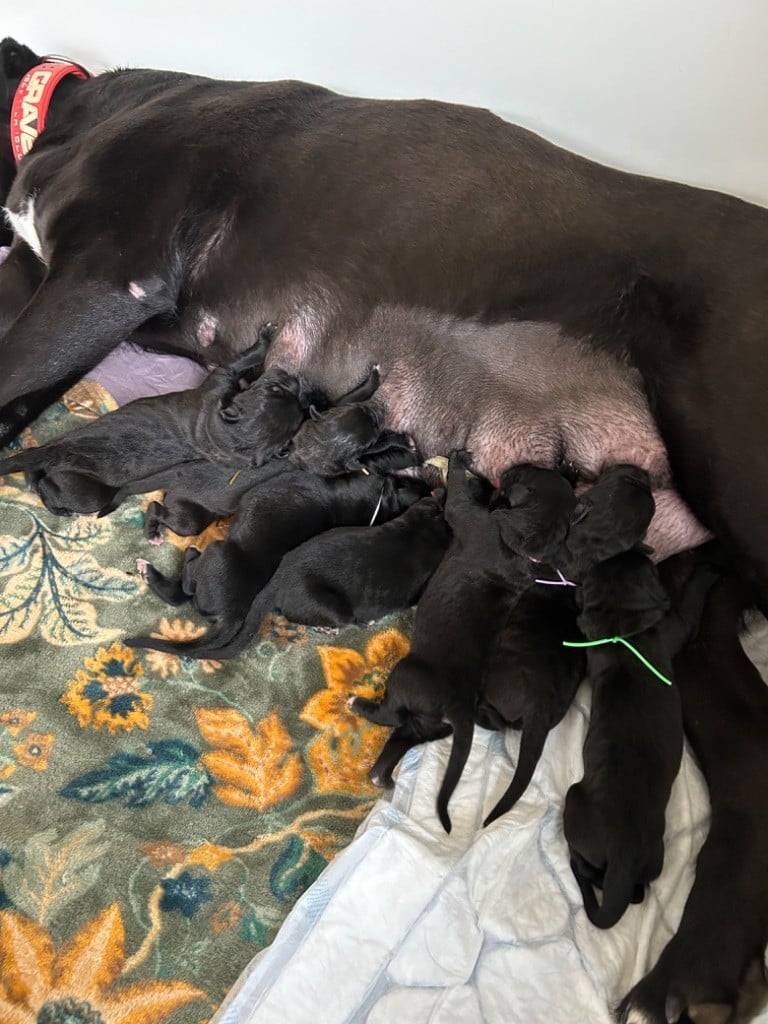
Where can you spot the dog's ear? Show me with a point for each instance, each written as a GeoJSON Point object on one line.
{"type": "Point", "coordinates": [15, 61]}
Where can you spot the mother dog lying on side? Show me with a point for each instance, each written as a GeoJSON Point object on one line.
{"type": "Point", "coordinates": [185, 212]}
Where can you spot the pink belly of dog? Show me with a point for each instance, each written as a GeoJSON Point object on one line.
{"type": "Point", "coordinates": [589, 428]}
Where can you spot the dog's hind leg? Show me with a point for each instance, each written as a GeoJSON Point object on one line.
{"type": "Point", "coordinates": [73, 321]}
{"type": "Point", "coordinates": [379, 714]}
{"type": "Point", "coordinates": [170, 591]}
{"type": "Point", "coordinates": [712, 968]}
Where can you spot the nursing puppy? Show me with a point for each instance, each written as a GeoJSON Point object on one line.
{"type": "Point", "coordinates": [487, 565]}
{"type": "Point", "coordinates": [614, 817]}
{"type": "Point", "coordinates": [344, 438]}
{"type": "Point", "coordinates": [237, 418]}
{"type": "Point", "coordinates": [530, 675]}
{"type": "Point", "coordinates": [272, 519]}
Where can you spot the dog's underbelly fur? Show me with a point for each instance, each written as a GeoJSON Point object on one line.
{"type": "Point", "coordinates": [509, 393]}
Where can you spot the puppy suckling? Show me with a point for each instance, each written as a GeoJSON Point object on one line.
{"type": "Point", "coordinates": [614, 817]}
{"type": "Point", "coordinates": [488, 565]}
{"type": "Point", "coordinates": [530, 675]}
{"type": "Point", "coordinates": [239, 418]}
{"type": "Point", "coordinates": [345, 438]}
{"type": "Point", "coordinates": [271, 520]}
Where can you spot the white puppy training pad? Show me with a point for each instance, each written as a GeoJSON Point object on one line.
{"type": "Point", "coordinates": [409, 926]}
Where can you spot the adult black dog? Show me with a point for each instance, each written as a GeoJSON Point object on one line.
{"type": "Point", "coordinates": [219, 226]}
{"type": "Point", "coordinates": [272, 519]}
{"type": "Point", "coordinates": [487, 568]}
{"type": "Point", "coordinates": [614, 817]}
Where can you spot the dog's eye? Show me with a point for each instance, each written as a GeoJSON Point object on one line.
{"type": "Point", "coordinates": [283, 453]}
{"type": "Point", "coordinates": [275, 389]}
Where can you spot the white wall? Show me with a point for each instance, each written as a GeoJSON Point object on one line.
{"type": "Point", "coordinates": [677, 88]}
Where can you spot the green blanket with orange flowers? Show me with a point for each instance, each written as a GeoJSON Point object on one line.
{"type": "Point", "coordinates": [158, 816]}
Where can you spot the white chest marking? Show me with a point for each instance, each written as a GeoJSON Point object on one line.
{"type": "Point", "coordinates": [23, 225]}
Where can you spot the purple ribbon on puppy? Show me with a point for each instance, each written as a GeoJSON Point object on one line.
{"type": "Point", "coordinates": [561, 582]}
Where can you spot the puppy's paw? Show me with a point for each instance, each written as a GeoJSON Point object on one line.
{"type": "Point", "coordinates": [155, 540]}
{"type": "Point", "coordinates": [141, 567]}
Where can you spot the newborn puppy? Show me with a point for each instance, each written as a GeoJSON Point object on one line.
{"type": "Point", "coordinates": [610, 518]}
{"type": "Point", "coordinates": [198, 493]}
{"type": "Point", "coordinates": [614, 817]}
{"type": "Point", "coordinates": [531, 679]}
{"type": "Point", "coordinates": [530, 675]}
{"type": "Point", "coordinates": [232, 419]}
{"type": "Point", "coordinates": [487, 565]}
{"type": "Point", "coordinates": [272, 519]}
{"type": "Point", "coordinates": [343, 439]}
{"type": "Point", "coordinates": [356, 573]}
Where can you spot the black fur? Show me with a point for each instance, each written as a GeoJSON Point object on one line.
{"type": "Point", "coordinates": [272, 519]}
{"type": "Point", "coordinates": [487, 567]}
{"type": "Point", "coordinates": [614, 817]}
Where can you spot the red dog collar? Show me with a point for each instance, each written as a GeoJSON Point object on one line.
{"type": "Point", "coordinates": [33, 97]}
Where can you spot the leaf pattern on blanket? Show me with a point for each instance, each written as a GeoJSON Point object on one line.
{"type": "Point", "coordinates": [54, 578]}
{"type": "Point", "coordinates": [52, 871]}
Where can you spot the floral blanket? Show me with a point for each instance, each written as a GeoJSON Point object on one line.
{"type": "Point", "coordinates": [158, 816]}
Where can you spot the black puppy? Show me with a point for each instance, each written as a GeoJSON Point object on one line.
{"type": "Point", "coordinates": [614, 817]}
{"type": "Point", "coordinates": [272, 519]}
{"type": "Point", "coordinates": [487, 565]}
{"type": "Point", "coordinates": [354, 573]}
{"type": "Point", "coordinates": [343, 439]}
{"type": "Point", "coordinates": [232, 419]}
{"type": "Point", "coordinates": [530, 675]}
{"type": "Point", "coordinates": [610, 518]}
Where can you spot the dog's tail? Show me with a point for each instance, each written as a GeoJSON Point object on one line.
{"type": "Point", "coordinates": [618, 889]}
{"type": "Point", "coordinates": [531, 745]}
{"type": "Point", "coordinates": [21, 462]}
{"type": "Point", "coordinates": [463, 731]}
{"type": "Point", "coordinates": [221, 643]}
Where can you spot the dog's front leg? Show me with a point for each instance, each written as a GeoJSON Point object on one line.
{"type": "Point", "coordinates": [71, 323]}
{"type": "Point", "coordinates": [21, 274]}
{"type": "Point", "coordinates": [460, 506]}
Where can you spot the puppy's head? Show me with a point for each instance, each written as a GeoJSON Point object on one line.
{"type": "Point", "coordinates": [259, 422]}
{"type": "Point", "coordinates": [534, 512]}
{"type": "Point", "coordinates": [621, 596]}
{"type": "Point", "coordinates": [331, 443]}
{"type": "Point", "coordinates": [611, 517]}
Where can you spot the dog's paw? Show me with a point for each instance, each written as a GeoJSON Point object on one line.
{"type": "Point", "coordinates": [155, 540]}
{"type": "Point", "coordinates": [657, 1000]}
{"type": "Point", "coordinates": [141, 567]}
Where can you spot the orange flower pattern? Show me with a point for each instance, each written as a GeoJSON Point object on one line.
{"type": "Point", "coordinates": [78, 982]}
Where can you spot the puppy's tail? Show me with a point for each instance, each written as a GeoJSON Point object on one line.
{"type": "Point", "coordinates": [531, 745]}
{"type": "Point", "coordinates": [20, 463]}
{"type": "Point", "coordinates": [618, 889]}
{"type": "Point", "coordinates": [463, 731]}
{"type": "Point", "coordinates": [222, 643]}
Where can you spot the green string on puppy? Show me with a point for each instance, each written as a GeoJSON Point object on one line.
{"type": "Point", "coordinates": [620, 640]}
